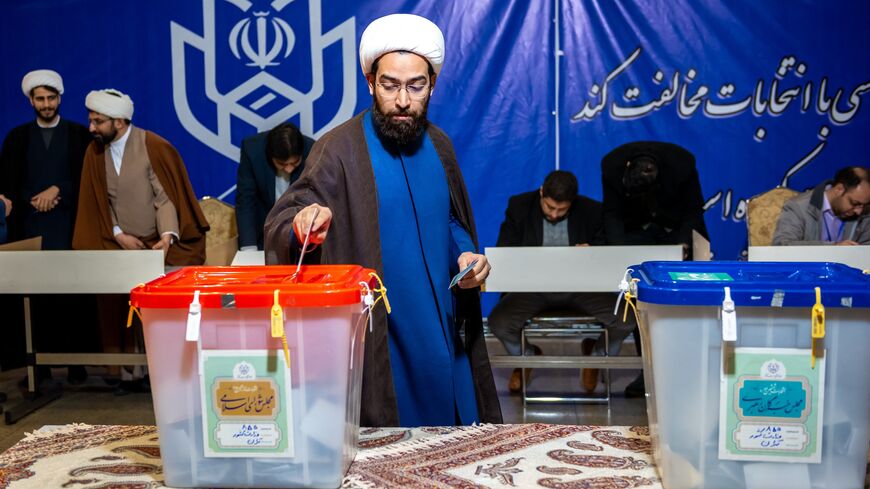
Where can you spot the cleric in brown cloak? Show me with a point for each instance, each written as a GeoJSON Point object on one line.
{"type": "Point", "coordinates": [386, 187]}
{"type": "Point", "coordinates": [148, 205]}
{"type": "Point", "coordinates": [151, 204]}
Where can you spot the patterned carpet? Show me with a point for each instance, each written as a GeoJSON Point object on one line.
{"type": "Point", "coordinates": [530, 455]}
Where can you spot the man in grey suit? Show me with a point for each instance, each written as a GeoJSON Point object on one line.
{"type": "Point", "coordinates": [833, 213]}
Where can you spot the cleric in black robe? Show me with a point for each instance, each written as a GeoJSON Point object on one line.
{"type": "Point", "coordinates": [387, 187]}
{"type": "Point", "coordinates": [40, 170]}
{"type": "Point", "coordinates": [41, 165]}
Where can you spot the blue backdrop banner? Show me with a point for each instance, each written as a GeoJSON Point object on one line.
{"type": "Point", "coordinates": [763, 93]}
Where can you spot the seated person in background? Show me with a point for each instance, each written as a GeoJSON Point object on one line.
{"type": "Point", "coordinates": [270, 162]}
{"type": "Point", "coordinates": [554, 215]}
{"type": "Point", "coordinates": [833, 213]}
{"type": "Point", "coordinates": [652, 195]}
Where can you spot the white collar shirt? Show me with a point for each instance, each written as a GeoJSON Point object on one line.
{"type": "Point", "coordinates": [116, 148]}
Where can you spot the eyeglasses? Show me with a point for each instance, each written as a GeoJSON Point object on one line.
{"type": "Point", "coordinates": [391, 90]}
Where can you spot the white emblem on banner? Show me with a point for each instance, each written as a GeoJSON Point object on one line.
{"type": "Point", "coordinates": [260, 38]}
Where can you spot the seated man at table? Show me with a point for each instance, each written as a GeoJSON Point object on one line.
{"type": "Point", "coordinates": [270, 162]}
{"type": "Point", "coordinates": [554, 215]}
{"type": "Point", "coordinates": [652, 196]}
{"type": "Point", "coordinates": [833, 213]}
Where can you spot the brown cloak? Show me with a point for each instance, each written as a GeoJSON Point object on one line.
{"type": "Point", "coordinates": [338, 174]}
{"type": "Point", "coordinates": [93, 229]}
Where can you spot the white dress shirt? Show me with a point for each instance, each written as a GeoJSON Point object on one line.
{"type": "Point", "coordinates": [116, 149]}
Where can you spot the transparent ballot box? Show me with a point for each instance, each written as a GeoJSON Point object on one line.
{"type": "Point", "coordinates": [757, 374]}
{"type": "Point", "coordinates": [256, 372]}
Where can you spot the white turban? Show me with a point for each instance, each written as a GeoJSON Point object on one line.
{"type": "Point", "coordinates": [110, 102]}
{"type": "Point", "coordinates": [41, 78]}
{"type": "Point", "coordinates": [401, 32]}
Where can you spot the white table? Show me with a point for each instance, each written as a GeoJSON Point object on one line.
{"type": "Point", "coordinates": [568, 268]}
{"type": "Point", "coordinates": [253, 257]}
{"type": "Point", "coordinates": [74, 272]}
{"type": "Point", "coordinates": [853, 256]}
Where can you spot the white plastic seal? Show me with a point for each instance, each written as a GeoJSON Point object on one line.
{"type": "Point", "coordinates": [194, 316]}
{"type": "Point", "coordinates": [729, 318]}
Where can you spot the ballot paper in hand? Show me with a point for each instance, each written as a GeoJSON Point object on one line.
{"type": "Point", "coordinates": [463, 273]}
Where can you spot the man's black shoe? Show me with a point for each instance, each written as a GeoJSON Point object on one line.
{"type": "Point", "coordinates": [636, 388]}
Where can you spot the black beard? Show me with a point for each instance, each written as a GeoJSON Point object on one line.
{"type": "Point", "coordinates": [105, 140]}
{"type": "Point", "coordinates": [43, 119]}
{"type": "Point", "coordinates": [399, 133]}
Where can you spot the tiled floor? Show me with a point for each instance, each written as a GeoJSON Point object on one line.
{"type": "Point", "coordinates": [94, 403]}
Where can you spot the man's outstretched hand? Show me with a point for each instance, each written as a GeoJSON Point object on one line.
{"type": "Point", "coordinates": [478, 274]}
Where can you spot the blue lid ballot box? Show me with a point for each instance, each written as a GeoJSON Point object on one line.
{"type": "Point", "coordinates": [770, 389]}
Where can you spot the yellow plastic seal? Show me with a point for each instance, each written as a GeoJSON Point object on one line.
{"type": "Point", "coordinates": [286, 350]}
{"type": "Point", "coordinates": [818, 324]}
{"type": "Point", "coordinates": [630, 303]}
{"type": "Point", "coordinates": [382, 293]}
{"type": "Point", "coordinates": [277, 320]}
{"type": "Point", "coordinates": [133, 309]}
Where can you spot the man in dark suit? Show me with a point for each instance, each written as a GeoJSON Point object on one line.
{"type": "Point", "coordinates": [554, 215]}
{"type": "Point", "coordinates": [270, 162]}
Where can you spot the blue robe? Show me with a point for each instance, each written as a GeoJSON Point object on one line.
{"type": "Point", "coordinates": [420, 242]}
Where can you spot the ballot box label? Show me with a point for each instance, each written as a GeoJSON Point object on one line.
{"type": "Point", "coordinates": [246, 408]}
{"type": "Point", "coordinates": [771, 406]}
{"type": "Point", "coordinates": [701, 276]}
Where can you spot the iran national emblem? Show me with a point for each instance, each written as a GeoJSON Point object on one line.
{"type": "Point", "coordinates": [238, 71]}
